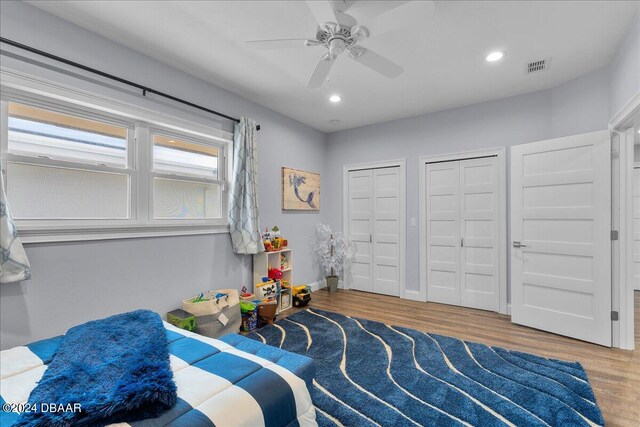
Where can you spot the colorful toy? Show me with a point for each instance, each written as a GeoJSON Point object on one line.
{"type": "Point", "coordinates": [245, 295]}
{"type": "Point", "coordinates": [284, 263]}
{"type": "Point", "coordinates": [182, 319]}
{"type": "Point", "coordinates": [273, 240]}
{"type": "Point", "coordinates": [267, 290]}
{"type": "Point", "coordinates": [199, 298]}
{"type": "Point", "coordinates": [301, 295]}
{"type": "Point", "coordinates": [249, 316]}
{"type": "Point", "coordinates": [274, 274]}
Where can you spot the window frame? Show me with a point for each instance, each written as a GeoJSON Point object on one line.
{"type": "Point", "coordinates": [153, 173]}
{"type": "Point", "coordinates": [140, 124]}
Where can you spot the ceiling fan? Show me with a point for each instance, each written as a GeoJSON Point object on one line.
{"type": "Point", "coordinates": [339, 32]}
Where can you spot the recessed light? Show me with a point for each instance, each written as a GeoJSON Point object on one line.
{"type": "Point", "coordinates": [335, 98]}
{"type": "Point", "coordinates": [494, 56]}
{"type": "Point", "coordinates": [334, 122]}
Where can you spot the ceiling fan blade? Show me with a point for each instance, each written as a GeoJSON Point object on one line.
{"type": "Point", "coordinates": [329, 11]}
{"type": "Point", "coordinates": [276, 43]}
{"type": "Point", "coordinates": [405, 15]}
{"type": "Point", "coordinates": [366, 10]}
{"type": "Point", "coordinates": [321, 72]}
{"type": "Point", "coordinates": [376, 62]}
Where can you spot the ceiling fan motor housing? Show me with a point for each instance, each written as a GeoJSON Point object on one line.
{"type": "Point", "coordinates": [338, 38]}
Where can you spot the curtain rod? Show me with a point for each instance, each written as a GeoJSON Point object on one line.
{"type": "Point", "coordinates": [143, 88]}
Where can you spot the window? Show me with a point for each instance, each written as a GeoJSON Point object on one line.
{"type": "Point", "coordinates": [185, 179]}
{"type": "Point", "coordinates": [44, 133]}
{"type": "Point", "coordinates": [66, 167]}
{"type": "Point", "coordinates": [80, 171]}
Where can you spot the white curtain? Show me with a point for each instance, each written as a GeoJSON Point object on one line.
{"type": "Point", "coordinates": [14, 265]}
{"type": "Point", "coordinates": [243, 204]}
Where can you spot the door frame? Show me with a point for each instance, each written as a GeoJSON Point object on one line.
{"type": "Point", "coordinates": [500, 153]}
{"type": "Point", "coordinates": [402, 245]}
{"type": "Point", "coordinates": [622, 249]}
{"type": "Point", "coordinates": [636, 165]}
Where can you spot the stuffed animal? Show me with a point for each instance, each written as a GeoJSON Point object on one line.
{"type": "Point", "coordinates": [274, 274]}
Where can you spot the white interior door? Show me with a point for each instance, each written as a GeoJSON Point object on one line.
{"type": "Point", "coordinates": [361, 228]}
{"type": "Point", "coordinates": [560, 226]}
{"type": "Point", "coordinates": [636, 228]}
{"type": "Point", "coordinates": [386, 231]}
{"type": "Point", "coordinates": [479, 231]}
{"type": "Point", "coordinates": [443, 232]}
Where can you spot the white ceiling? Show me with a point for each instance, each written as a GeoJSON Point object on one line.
{"type": "Point", "coordinates": [442, 54]}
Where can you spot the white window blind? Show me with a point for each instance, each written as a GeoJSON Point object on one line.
{"type": "Point", "coordinates": [43, 192]}
{"type": "Point", "coordinates": [175, 199]}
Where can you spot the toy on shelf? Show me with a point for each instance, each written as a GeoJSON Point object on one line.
{"type": "Point", "coordinates": [284, 262]}
{"type": "Point", "coordinates": [285, 299]}
{"type": "Point", "coordinates": [274, 274]}
{"type": "Point", "coordinates": [301, 295]}
{"type": "Point", "coordinates": [273, 240]}
{"type": "Point", "coordinates": [266, 290]}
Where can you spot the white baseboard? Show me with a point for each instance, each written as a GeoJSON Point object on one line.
{"type": "Point", "coordinates": [317, 285]}
{"type": "Point", "coordinates": [412, 295]}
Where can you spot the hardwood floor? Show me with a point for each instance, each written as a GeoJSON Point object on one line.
{"type": "Point", "coordinates": [614, 374]}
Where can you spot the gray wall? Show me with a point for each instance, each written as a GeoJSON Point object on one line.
{"type": "Point", "coordinates": [578, 106]}
{"type": "Point", "coordinates": [75, 282]}
{"type": "Point", "coordinates": [625, 70]}
{"type": "Point", "coordinates": [581, 105]}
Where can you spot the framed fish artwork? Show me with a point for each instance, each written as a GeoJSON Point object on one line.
{"type": "Point", "coordinates": [300, 190]}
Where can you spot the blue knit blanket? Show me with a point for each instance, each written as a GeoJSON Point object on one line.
{"type": "Point", "coordinates": [106, 371]}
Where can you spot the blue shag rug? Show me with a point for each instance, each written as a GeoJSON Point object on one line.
{"type": "Point", "coordinates": [369, 373]}
{"type": "Point", "coordinates": [116, 368]}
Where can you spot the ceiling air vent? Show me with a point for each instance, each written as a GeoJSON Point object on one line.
{"type": "Point", "coordinates": [536, 66]}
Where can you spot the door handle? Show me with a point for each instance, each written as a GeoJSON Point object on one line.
{"type": "Point", "coordinates": [517, 244]}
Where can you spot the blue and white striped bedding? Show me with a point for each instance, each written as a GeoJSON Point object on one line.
{"type": "Point", "coordinates": [232, 381]}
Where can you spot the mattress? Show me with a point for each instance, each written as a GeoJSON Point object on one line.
{"type": "Point", "coordinates": [231, 381]}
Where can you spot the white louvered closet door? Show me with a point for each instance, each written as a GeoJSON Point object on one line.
{"type": "Point", "coordinates": [361, 228]}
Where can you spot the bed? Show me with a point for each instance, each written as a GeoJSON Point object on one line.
{"type": "Point", "coordinates": [231, 381]}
